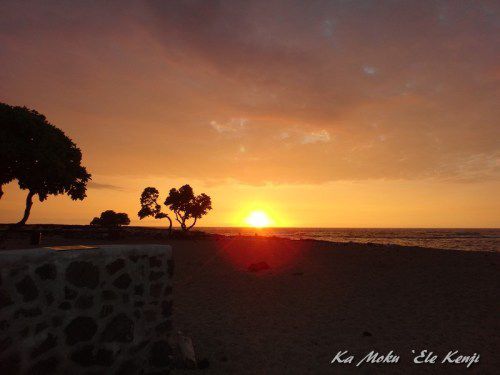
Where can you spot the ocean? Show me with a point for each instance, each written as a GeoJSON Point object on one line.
{"type": "Point", "coordinates": [453, 239]}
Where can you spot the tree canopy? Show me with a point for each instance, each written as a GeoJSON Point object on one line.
{"type": "Point", "coordinates": [183, 203]}
{"type": "Point", "coordinates": [151, 207]}
{"type": "Point", "coordinates": [39, 156]}
{"type": "Point", "coordinates": [186, 205]}
{"type": "Point", "coordinates": [111, 218]}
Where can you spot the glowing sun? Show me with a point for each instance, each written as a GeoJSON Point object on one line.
{"type": "Point", "coordinates": [258, 219]}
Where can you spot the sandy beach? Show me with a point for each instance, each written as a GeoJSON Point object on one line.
{"type": "Point", "coordinates": [319, 298]}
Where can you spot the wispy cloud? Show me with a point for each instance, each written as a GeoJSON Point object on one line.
{"type": "Point", "coordinates": [321, 136]}
{"type": "Point", "coordinates": [300, 136]}
{"type": "Point", "coordinates": [232, 127]}
{"type": "Point", "coordinates": [369, 70]}
{"type": "Point", "coordinates": [99, 186]}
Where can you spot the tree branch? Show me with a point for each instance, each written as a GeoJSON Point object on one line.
{"type": "Point", "coordinates": [177, 217]}
{"type": "Point", "coordinates": [194, 222]}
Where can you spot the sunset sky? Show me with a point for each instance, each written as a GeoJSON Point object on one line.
{"type": "Point", "coordinates": [320, 113]}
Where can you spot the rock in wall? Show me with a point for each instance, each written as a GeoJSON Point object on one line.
{"type": "Point", "coordinates": [105, 310]}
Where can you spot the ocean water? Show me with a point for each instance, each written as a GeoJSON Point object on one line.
{"type": "Point", "coordinates": [455, 239]}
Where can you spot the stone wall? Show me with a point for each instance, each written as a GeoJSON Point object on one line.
{"type": "Point", "coordinates": [105, 310]}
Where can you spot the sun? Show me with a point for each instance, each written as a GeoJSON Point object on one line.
{"type": "Point", "coordinates": [258, 219]}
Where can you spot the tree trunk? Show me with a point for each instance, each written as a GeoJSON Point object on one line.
{"type": "Point", "coordinates": [27, 210]}
{"type": "Point", "coordinates": [178, 219]}
{"type": "Point", "coordinates": [194, 222]}
{"type": "Point", "coordinates": [1, 191]}
{"type": "Point", "coordinates": [169, 226]}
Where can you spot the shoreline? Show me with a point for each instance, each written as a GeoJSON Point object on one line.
{"type": "Point", "coordinates": [51, 232]}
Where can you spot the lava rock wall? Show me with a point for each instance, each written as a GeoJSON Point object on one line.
{"type": "Point", "coordinates": [105, 310]}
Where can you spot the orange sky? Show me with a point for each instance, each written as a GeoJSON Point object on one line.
{"type": "Point", "coordinates": [351, 114]}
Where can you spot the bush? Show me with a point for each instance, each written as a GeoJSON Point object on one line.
{"type": "Point", "coordinates": [111, 218]}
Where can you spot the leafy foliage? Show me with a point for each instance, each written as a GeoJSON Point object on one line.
{"type": "Point", "coordinates": [150, 206]}
{"type": "Point", "coordinates": [111, 218]}
{"type": "Point", "coordinates": [39, 156]}
{"type": "Point", "coordinates": [186, 205]}
{"type": "Point", "coordinates": [182, 202]}
{"type": "Point", "coordinates": [149, 203]}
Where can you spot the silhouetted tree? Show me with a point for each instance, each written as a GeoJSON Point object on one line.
{"type": "Point", "coordinates": [11, 146]}
{"type": "Point", "coordinates": [186, 205]}
{"type": "Point", "coordinates": [150, 206]}
{"type": "Point", "coordinates": [39, 156]}
{"type": "Point", "coordinates": [111, 218]}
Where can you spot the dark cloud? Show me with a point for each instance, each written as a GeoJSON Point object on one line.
{"type": "Point", "coordinates": [383, 89]}
{"type": "Point", "coordinates": [96, 185]}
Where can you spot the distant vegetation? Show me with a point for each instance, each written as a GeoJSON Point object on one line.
{"type": "Point", "coordinates": [44, 161]}
{"type": "Point", "coordinates": [151, 207]}
{"type": "Point", "coordinates": [39, 156]}
{"type": "Point", "coordinates": [111, 218]}
{"type": "Point", "coordinates": [186, 206]}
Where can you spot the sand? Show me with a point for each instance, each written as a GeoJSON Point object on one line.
{"type": "Point", "coordinates": [320, 298]}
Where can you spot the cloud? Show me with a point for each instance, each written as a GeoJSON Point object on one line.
{"type": "Point", "coordinates": [165, 69]}
{"type": "Point", "coordinates": [369, 70]}
{"type": "Point", "coordinates": [232, 127]}
{"type": "Point", "coordinates": [284, 135]}
{"type": "Point", "coordinates": [321, 136]}
{"type": "Point", "coordinates": [99, 186]}
{"type": "Point", "coordinates": [301, 135]}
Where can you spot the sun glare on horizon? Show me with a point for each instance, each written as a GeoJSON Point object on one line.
{"type": "Point", "coordinates": [258, 219]}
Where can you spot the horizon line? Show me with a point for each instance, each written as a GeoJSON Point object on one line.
{"type": "Point", "coordinates": [263, 228]}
